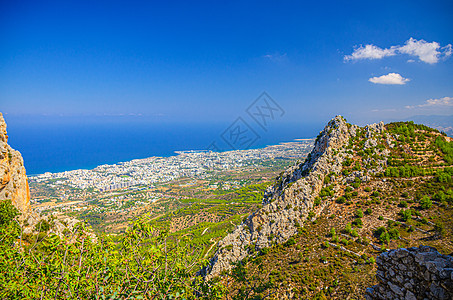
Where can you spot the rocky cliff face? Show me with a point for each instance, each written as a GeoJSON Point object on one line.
{"type": "Point", "coordinates": [13, 179]}
{"type": "Point", "coordinates": [287, 204]}
{"type": "Point", "coordinates": [413, 273]}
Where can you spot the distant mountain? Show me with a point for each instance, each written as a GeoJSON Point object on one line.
{"type": "Point", "coordinates": [442, 123]}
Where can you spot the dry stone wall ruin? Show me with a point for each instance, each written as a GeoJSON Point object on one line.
{"type": "Point", "coordinates": [412, 274]}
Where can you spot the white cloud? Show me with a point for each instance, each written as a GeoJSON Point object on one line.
{"type": "Point", "coordinates": [370, 52]}
{"type": "Point", "coordinates": [441, 102]}
{"type": "Point", "coordinates": [427, 52]}
{"type": "Point", "coordinates": [390, 78]}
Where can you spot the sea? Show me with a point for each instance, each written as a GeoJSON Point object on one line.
{"type": "Point", "coordinates": [51, 144]}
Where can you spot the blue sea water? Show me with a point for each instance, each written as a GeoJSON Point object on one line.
{"type": "Point", "coordinates": [56, 145]}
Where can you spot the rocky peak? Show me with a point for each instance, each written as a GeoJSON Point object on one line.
{"type": "Point", "coordinates": [287, 203]}
{"type": "Point", "coordinates": [13, 179]}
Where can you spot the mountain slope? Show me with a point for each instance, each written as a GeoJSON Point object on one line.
{"type": "Point", "coordinates": [290, 201]}
{"type": "Point", "coordinates": [361, 191]}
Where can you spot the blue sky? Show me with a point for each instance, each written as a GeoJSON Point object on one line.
{"type": "Point", "coordinates": [205, 61]}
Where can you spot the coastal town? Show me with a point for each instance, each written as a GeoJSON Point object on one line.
{"type": "Point", "coordinates": [158, 184]}
{"type": "Point", "coordinates": [193, 164]}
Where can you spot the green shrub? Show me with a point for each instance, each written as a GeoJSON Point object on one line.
{"type": "Point", "coordinates": [440, 196]}
{"type": "Point", "coordinates": [341, 200]}
{"type": "Point", "coordinates": [384, 237]}
{"type": "Point", "coordinates": [7, 212]}
{"type": "Point", "coordinates": [358, 222]}
{"type": "Point", "coordinates": [380, 230]}
{"type": "Point", "coordinates": [317, 201]}
{"type": "Point", "coordinates": [394, 233]}
{"type": "Point", "coordinates": [406, 214]}
{"type": "Point", "coordinates": [348, 228]}
{"type": "Point", "coordinates": [359, 213]}
{"type": "Point", "coordinates": [291, 241]}
{"type": "Point", "coordinates": [332, 231]}
{"type": "Point", "coordinates": [425, 202]}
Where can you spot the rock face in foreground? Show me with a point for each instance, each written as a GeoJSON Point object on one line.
{"type": "Point", "coordinates": [13, 179]}
{"type": "Point", "coordinates": [414, 273]}
{"type": "Point", "coordinates": [288, 203]}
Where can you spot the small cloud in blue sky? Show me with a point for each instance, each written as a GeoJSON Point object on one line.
{"type": "Point", "coordinates": [433, 103]}
{"type": "Point", "coordinates": [429, 53]}
{"type": "Point", "coordinates": [276, 57]}
{"type": "Point", "coordinates": [384, 110]}
{"type": "Point", "coordinates": [390, 78]}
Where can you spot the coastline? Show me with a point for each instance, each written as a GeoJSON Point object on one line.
{"type": "Point", "coordinates": [175, 154]}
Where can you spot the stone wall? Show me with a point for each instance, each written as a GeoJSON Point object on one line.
{"type": "Point", "coordinates": [413, 273]}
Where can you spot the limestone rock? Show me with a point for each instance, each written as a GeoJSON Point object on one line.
{"type": "Point", "coordinates": [13, 178]}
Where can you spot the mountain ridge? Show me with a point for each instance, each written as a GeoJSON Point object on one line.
{"type": "Point", "coordinates": [375, 188]}
{"type": "Point", "coordinates": [288, 203]}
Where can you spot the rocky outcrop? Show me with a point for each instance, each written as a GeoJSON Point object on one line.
{"type": "Point", "coordinates": [287, 204]}
{"type": "Point", "coordinates": [14, 186]}
{"type": "Point", "coordinates": [13, 179]}
{"type": "Point", "coordinates": [413, 273]}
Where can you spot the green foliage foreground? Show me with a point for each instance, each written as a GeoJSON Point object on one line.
{"type": "Point", "coordinates": [144, 264]}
